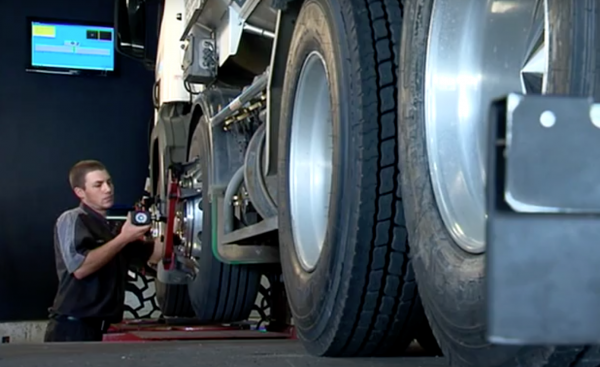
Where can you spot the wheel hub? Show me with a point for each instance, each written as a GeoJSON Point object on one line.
{"type": "Point", "coordinates": [478, 51]}
{"type": "Point", "coordinates": [192, 224]}
{"type": "Point", "coordinates": [193, 214]}
{"type": "Point", "coordinates": [311, 149]}
{"type": "Point", "coordinates": [189, 216]}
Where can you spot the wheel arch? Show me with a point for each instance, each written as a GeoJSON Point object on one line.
{"type": "Point", "coordinates": [223, 158]}
{"type": "Point", "coordinates": [168, 142]}
{"type": "Point", "coordinates": [197, 113]}
{"type": "Point", "coordinates": [286, 22]}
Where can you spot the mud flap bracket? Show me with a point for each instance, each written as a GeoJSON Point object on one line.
{"type": "Point", "coordinates": [543, 221]}
{"type": "Point", "coordinates": [248, 245]}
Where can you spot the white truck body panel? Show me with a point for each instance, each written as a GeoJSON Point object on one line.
{"type": "Point", "coordinates": [168, 71]}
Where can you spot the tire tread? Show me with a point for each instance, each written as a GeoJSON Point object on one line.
{"type": "Point", "coordinates": [388, 293]}
{"type": "Point", "coordinates": [175, 301]}
{"type": "Point", "coordinates": [462, 334]}
{"type": "Point", "coordinates": [230, 295]}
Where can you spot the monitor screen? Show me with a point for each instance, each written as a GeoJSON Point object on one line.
{"type": "Point", "coordinates": [64, 46]}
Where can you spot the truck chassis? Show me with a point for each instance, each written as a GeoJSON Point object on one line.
{"type": "Point", "coordinates": [315, 137]}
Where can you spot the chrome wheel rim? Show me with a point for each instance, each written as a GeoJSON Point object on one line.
{"type": "Point", "coordinates": [193, 226]}
{"type": "Point", "coordinates": [311, 150]}
{"type": "Point", "coordinates": [193, 215]}
{"type": "Point", "coordinates": [477, 51]}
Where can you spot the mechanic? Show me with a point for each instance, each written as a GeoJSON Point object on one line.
{"type": "Point", "coordinates": [92, 261]}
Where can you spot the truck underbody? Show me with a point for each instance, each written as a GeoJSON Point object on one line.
{"type": "Point", "coordinates": [344, 145]}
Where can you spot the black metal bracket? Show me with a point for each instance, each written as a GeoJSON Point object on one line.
{"type": "Point", "coordinates": [543, 221]}
{"type": "Point", "coordinates": [179, 275]}
{"type": "Point", "coordinates": [248, 245]}
{"type": "Point", "coordinates": [178, 169]}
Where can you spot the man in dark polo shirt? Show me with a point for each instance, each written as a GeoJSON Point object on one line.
{"type": "Point", "coordinates": [92, 260]}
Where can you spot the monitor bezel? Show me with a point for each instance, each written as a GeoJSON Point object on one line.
{"type": "Point", "coordinates": [68, 71]}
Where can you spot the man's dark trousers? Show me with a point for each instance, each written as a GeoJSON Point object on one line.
{"type": "Point", "coordinates": [68, 329]}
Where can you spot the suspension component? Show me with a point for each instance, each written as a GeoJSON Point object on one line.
{"type": "Point", "coordinates": [177, 267]}
{"type": "Point", "coordinates": [173, 195]}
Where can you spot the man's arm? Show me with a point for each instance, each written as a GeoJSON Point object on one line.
{"type": "Point", "coordinates": [145, 252]}
{"type": "Point", "coordinates": [98, 257]}
{"type": "Point", "coordinates": [75, 244]}
{"type": "Point", "coordinates": [73, 238]}
{"type": "Point", "coordinates": [158, 251]}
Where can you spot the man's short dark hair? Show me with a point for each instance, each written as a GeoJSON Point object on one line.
{"type": "Point", "coordinates": [81, 169]}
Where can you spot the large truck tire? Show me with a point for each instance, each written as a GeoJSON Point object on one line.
{"type": "Point", "coordinates": [169, 144]}
{"type": "Point", "coordinates": [219, 293]}
{"type": "Point", "coordinates": [343, 241]}
{"type": "Point", "coordinates": [173, 300]}
{"type": "Point", "coordinates": [441, 121]}
{"type": "Point", "coordinates": [140, 297]}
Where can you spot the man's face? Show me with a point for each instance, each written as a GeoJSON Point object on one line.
{"type": "Point", "coordinates": [99, 192]}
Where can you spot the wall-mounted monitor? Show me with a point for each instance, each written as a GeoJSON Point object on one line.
{"type": "Point", "coordinates": [68, 47]}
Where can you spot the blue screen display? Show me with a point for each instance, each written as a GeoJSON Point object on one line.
{"type": "Point", "coordinates": [70, 46]}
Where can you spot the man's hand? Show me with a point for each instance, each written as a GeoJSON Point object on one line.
{"type": "Point", "coordinates": [100, 256]}
{"type": "Point", "coordinates": [131, 232]}
{"type": "Point", "coordinates": [158, 253]}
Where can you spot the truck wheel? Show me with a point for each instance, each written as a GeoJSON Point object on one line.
{"type": "Point", "coordinates": [169, 142]}
{"type": "Point", "coordinates": [173, 299]}
{"type": "Point", "coordinates": [220, 293]}
{"type": "Point", "coordinates": [456, 57]}
{"type": "Point", "coordinates": [140, 300]}
{"type": "Point", "coordinates": [343, 241]}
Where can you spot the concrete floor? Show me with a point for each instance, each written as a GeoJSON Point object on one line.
{"type": "Point", "coordinates": [263, 353]}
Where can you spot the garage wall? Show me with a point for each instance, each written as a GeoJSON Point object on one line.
{"type": "Point", "coordinates": [47, 123]}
